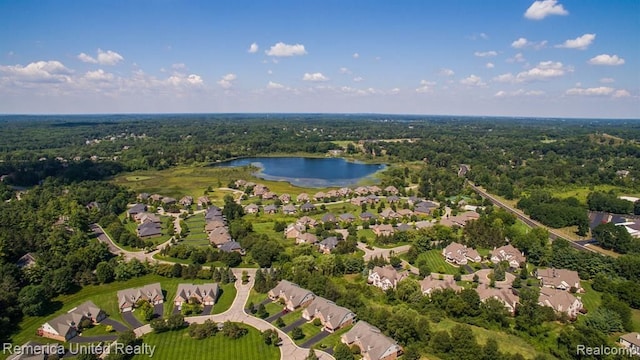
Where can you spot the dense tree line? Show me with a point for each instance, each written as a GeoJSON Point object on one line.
{"type": "Point", "coordinates": [555, 212]}
{"type": "Point", "coordinates": [608, 202]}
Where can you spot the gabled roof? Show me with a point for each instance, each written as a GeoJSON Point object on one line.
{"type": "Point", "coordinates": [289, 208]}
{"type": "Point", "coordinates": [307, 207]}
{"type": "Point", "coordinates": [633, 338]}
{"type": "Point", "coordinates": [291, 292]}
{"type": "Point", "coordinates": [201, 292]}
{"type": "Point", "coordinates": [149, 229]}
{"type": "Point", "coordinates": [150, 292]}
{"type": "Point", "coordinates": [329, 217]}
{"type": "Point", "coordinates": [557, 299]}
{"type": "Point", "coordinates": [308, 238]}
{"type": "Point", "coordinates": [558, 277]}
{"type": "Point", "coordinates": [270, 208]}
{"type": "Point", "coordinates": [439, 282]}
{"type": "Point", "coordinates": [330, 312]}
{"type": "Point", "coordinates": [26, 260]}
{"type": "Point", "coordinates": [367, 215]}
{"type": "Point", "coordinates": [136, 209]}
{"type": "Point", "coordinates": [372, 342]}
{"type": "Point", "coordinates": [390, 273]}
{"type": "Point", "coordinates": [330, 242]}
{"type": "Point", "coordinates": [219, 236]}
{"type": "Point", "coordinates": [347, 217]}
{"type": "Point", "coordinates": [230, 246]}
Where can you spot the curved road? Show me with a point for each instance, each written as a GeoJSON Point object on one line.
{"type": "Point", "coordinates": [236, 313]}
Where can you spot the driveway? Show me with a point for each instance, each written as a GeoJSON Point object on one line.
{"type": "Point", "coordinates": [158, 310]}
{"type": "Point", "coordinates": [175, 310]}
{"type": "Point", "coordinates": [116, 325]}
{"type": "Point", "coordinates": [275, 317]}
{"type": "Point", "coordinates": [298, 322]}
{"type": "Point", "coordinates": [315, 339]}
{"type": "Point", "coordinates": [207, 309]}
{"type": "Point", "coordinates": [129, 318]}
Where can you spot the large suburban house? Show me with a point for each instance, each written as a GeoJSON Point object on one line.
{"type": "Point", "coordinates": [293, 231]}
{"type": "Point", "coordinates": [128, 298]}
{"type": "Point", "coordinates": [561, 279]}
{"type": "Point", "coordinates": [383, 230]}
{"type": "Point", "coordinates": [460, 219]}
{"type": "Point", "coordinates": [135, 210]}
{"type": "Point", "coordinates": [386, 277]}
{"type": "Point", "coordinates": [66, 326]}
{"type": "Point", "coordinates": [435, 282]}
{"type": "Point", "coordinates": [251, 209]}
{"type": "Point", "coordinates": [332, 316]}
{"type": "Point", "coordinates": [149, 229]}
{"type": "Point", "coordinates": [306, 238]}
{"type": "Point", "coordinates": [327, 245]}
{"type": "Point", "coordinates": [460, 254]}
{"type": "Point", "coordinates": [205, 294]}
{"type": "Point", "coordinates": [373, 344]}
{"type": "Point", "coordinates": [508, 253]}
{"type": "Point", "coordinates": [505, 296]}
{"type": "Point", "coordinates": [219, 236]}
{"type": "Point", "coordinates": [561, 301]}
{"type": "Point", "coordinates": [293, 295]}
{"type": "Point", "coordinates": [631, 341]}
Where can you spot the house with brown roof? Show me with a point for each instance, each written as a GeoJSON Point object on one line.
{"type": "Point", "coordinates": [319, 196]}
{"type": "Point", "coordinates": [168, 200]}
{"type": "Point", "coordinates": [332, 194]}
{"type": "Point", "coordinates": [269, 195]}
{"type": "Point", "coordinates": [366, 216]}
{"type": "Point", "coordinates": [147, 217]}
{"type": "Point", "coordinates": [306, 238]}
{"type": "Point", "coordinates": [386, 277]}
{"type": "Point", "coordinates": [505, 296]}
{"type": "Point", "coordinates": [561, 301]}
{"type": "Point", "coordinates": [307, 221]}
{"type": "Point", "coordinates": [156, 197]}
{"type": "Point", "coordinates": [251, 209]}
{"type": "Point", "coordinates": [302, 197]}
{"type": "Point", "coordinates": [392, 199]}
{"type": "Point", "coordinates": [186, 200]}
{"type": "Point", "coordinates": [307, 207]}
{"type": "Point", "coordinates": [435, 282]}
{"type": "Point", "coordinates": [329, 218]}
{"type": "Point", "coordinates": [293, 231]}
{"type": "Point", "coordinates": [459, 254]}
{"type": "Point", "coordinates": [293, 295]}
{"type": "Point", "coordinates": [389, 214]}
{"type": "Point", "coordinates": [383, 229]}
{"type": "Point", "coordinates": [205, 294]}
{"type": "Point", "coordinates": [289, 209]}
{"type": "Point", "coordinates": [361, 190]}
{"type": "Point", "coordinates": [26, 261]}
{"type": "Point", "coordinates": [510, 254]}
{"type": "Point", "coordinates": [347, 217]}
{"type": "Point", "coordinates": [240, 183]}
{"type": "Point", "coordinates": [561, 279]}
{"type": "Point", "coordinates": [285, 198]}
{"type": "Point", "coordinates": [260, 189]}
{"type": "Point", "coordinates": [358, 200]}
{"type": "Point", "coordinates": [345, 191]}
{"type": "Point", "coordinates": [460, 219]}
{"type": "Point", "coordinates": [373, 344]}
{"type": "Point", "coordinates": [331, 316]}
{"type": "Point", "coordinates": [66, 326]}
{"type": "Point", "coordinates": [213, 224]}
{"type": "Point", "coordinates": [128, 298]}
{"type": "Point", "coordinates": [203, 201]}
{"type": "Point", "coordinates": [219, 236]}
{"type": "Point", "coordinates": [392, 190]}
{"type": "Point", "coordinates": [270, 209]}
{"type": "Point", "coordinates": [372, 199]}
{"type": "Point", "coordinates": [374, 189]}
{"type": "Point", "coordinates": [631, 341]}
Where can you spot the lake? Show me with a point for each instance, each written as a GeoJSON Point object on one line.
{"type": "Point", "coordinates": [308, 172]}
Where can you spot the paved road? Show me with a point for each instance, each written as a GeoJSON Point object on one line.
{"type": "Point", "coordinates": [315, 339]}
{"type": "Point", "coordinates": [371, 253]}
{"type": "Point", "coordinates": [553, 234]}
{"type": "Point", "coordinates": [236, 313]}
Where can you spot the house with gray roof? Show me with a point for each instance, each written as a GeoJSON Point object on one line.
{"type": "Point", "coordinates": [219, 236]}
{"type": "Point", "coordinates": [373, 344]}
{"type": "Point", "coordinates": [306, 238]}
{"type": "Point", "coordinates": [148, 230]}
{"type": "Point", "coordinates": [327, 245]}
{"type": "Point", "coordinates": [561, 301]}
{"type": "Point", "coordinates": [66, 326]}
{"type": "Point", "coordinates": [232, 246]}
{"type": "Point", "coordinates": [205, 294]}
{"type": "Point", "coordinates": [435, 282]}
{"type": "Point", "coordinates": [251, 209]}
{"type": "Point", "coordinates": [386, 277]}
{"type": "Point", "coordinates": [366, 216]}
{"type": "Point", "coordinates": [307, 207]}
{"type": "Point", "coordinates": [270, 209]}
{"type": "Point", "coordinates": [293, 295]}
{"type": "Point", "coordinates": [289, 209]}
{"type": "Point", "coordinates": [136, 209]}
{"type": "Point", "coordinates": [329, 218]}
{"type": "Point", "coordinates": [331, 316]}
{"type": "Point", "coordinates": [128, 298]}
{"type": "Point", "coordinates": [347, 217]}
{"type": "Point", "coordinates": [631, 341]}
{"type": "Point", "coordinates": [561, 279]}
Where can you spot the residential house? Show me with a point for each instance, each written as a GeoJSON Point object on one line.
{"type": "Point", "coordinates": [508, 253]}
{"type": "Point", "coordinates": [332, 194]}
{"type": "Point", "coordinates": [128, 298]}
{"type": "Point", "coordinates": [347, 217]}
{"type": "Point", "coordinates": [135, 210]}
{"type": "Point", "coordinates": [403, 227]}
{"type": "Point", "coordinates": [303, 197]}
{"type": "Point", "coordinates": [372, 199]}
{"type": "Point", "coordinates": [388, 214]}
{"type": "Point", "coordinates": [327, 245]}
{"type": "Point", "coordinates": [366, 216]}
{"type": "Point", "coordinates": [168, 200]}
{"type": "Point", "coordinates": [146, 217]}
{"type": "Point", "coordinates": [219, 236]}
{"type": "Point", "coordinates": [66, 326]}
{"type": "Point", "coordinates": [383, 229]}
{"type": "Point", "coordinates": [205, 294]}
{"type": "Point", "coordinates": [260, 189]}
{"type": "Point", "coordinates": [251, 209]}
{"type": "Point", "coordinates": [460, 254]}
{"type": "Point", "coordinates": [504, 295]}
{"type": "Point", "coordinates": [423, 224]}
{"type": "Point", "coordinates": [93, 205]}
{"type": "Point", "coordinates": [294, 230]}
{"type": "Point", "coordinates": [392, 199]}
{"type": "Point", "coordinates": [186, 201]}
{"type": "Point", "coordinates": [143, 197]}
{"type": "Point", "coordinates": [345, 191]}
{"type": "Point", "coordinates": [404, 212]}
{"type": "Point", "coordinates": [373, 189]}
{"type": "Point", "coordinates": [329, 218]}
{"type": "Point", "coordinates": [26, 261]}
{"type": "Point", "coordinates": [269, 195]}
{"type": "Point", "coordinates": [435, 282]}
{"type": "Point", "coordinates": [240, 183]}
{"type": "Point", "coordinates": [463, 169]}
{"type": "Point", "coordinates": [460, 219]}
{"type": "Point", "coordinates": [306, 238]}
{"type": "Point", "coordinates": [386, 277]}
{"type": "Point", "coordinates": [293, 295]}
{"type": "Point", "coordinates": [214, 224]}
{"type": "Point", "coordinates": [561, 279]}
{"type": "Point", "coordinates": [306, 207]}
{"type": "Point", "coordinates": [212, 212]}
{"type": "Point", "coordinates": [308, 221]}
{"type": "Point", "coordinates": [373, 344]}
{"type": "Point", "coordinates": [270, 209]}
{"type": "Point", "coordinates": [203, 201]}
{"type": "Point", "coordinates": [285, 198]}
{"type": "Point", "coordinates": [425, 207]}
{"type": "Point", "coordinates": [358, 200]}
{"type": "Point", "coordinates": [148, 230]}
{"type": "Point", "coordinates": [232, 246]}
{"type": "Point", "coordinates": [361, 190]}
{"type": "Point", "coordinates": [331, 316]}
{"type": "Point", "coordinates": [319, 196]}
{"type": "Point", "coordinates": [413, 200]}
{"type": "Point", "coordinates": [392, 190]}
{"type": "Point", "coordinates": [289, 209]}
{"type": "Point", "coordinates": [561, 301]}
{"type": "Point", "coordinates": [156, 197]}
{"type": "Point", "coordinates": [631, 341]}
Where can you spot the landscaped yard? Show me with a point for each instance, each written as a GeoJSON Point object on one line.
{"type": "Point", "coordinates": [436, 262]}
{"type": "Point", "coordinates": [309, 331]}
{"type": "Point", "coordinates": [226, 299]}
{"type": "Point", "coordinates": [590, 298]}
{"type": "Point", "coordinates": [197, 236]}
{"type": "Point", "coordinates": [332, 340]}
{"type": "Point", "coordinates": [97, 330]}
{"type": "Point", "coordinates": [635, 316]}
{"type": "Point", "coordinates": [178, 345]}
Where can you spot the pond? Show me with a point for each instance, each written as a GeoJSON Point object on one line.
{"type": "Point", "coordinates": [308, 172]}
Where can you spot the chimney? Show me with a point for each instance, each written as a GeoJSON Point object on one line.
{"type": "Point", "coordinates": [638, 336]}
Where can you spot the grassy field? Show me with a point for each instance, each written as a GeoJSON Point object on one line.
{"type": "Point", "coordinates": [635, 316]}
{"type": "Point", "coordinates": [507, 343]}
{"type": "Point", "coordinates": [226, 299]}
{"type": "Point", "coordinates": [309, 331]}
{"type": "Point", "coordinates": [196, 236]}
{"type": "Point", "coordinates": [178, 345]}
{"type": "Point", "coordinates": [436, 262]}
{"type": "Point", "coordinates": [590, 299]}
{"type": "Point", "coordinates": [332, 340]}
{"type": "Point", "coordinates": [581, 193]}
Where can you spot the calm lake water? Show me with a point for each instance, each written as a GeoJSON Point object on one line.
{"type": "Point", "coordinates": [308, 172]}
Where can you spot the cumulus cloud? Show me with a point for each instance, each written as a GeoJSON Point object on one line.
{"type": "Point", "coordinates": [595, 91]}
{"type": "Point", "coordinates": [284, 50]}
{"type": "Point", "coordinates": [274, 85]}
{"type": "Point", "coordinates": [485, 53]}
{"type": "Point", "coordinates": [517, 58]}
{"type": "Point", "coordinates": [607, 80]}
{"type": "Point", "coordinates": [394, 91]}
{"type": "Point", "coordinates": [104, 58]}
{"type": "Point", "coordinates": [544, 70]}
{"type": "Point", "coordinates": [358, 79]}
{"type": "Point", "coordinates": [355, 55]}
{"type": "Point", "coordinates": [314, 77]}
{"type": "Point", "coordinates": [227, 81]}
{"type": "Point", "coordinates": [253, 48]}
{"type": "Point", "coordinates": [504, 78]}
{"type": "Point", "coordinates": [541, 9]}
{"type": "Point", "coordinates": [580, 43]}
{"type": "Point", "coordinates": [621, 93]}
{"type": "Point", "coordinates": [446, 72]}
{"type": "Point", "coordinates": [524, 43]}
{"type": "Point", "coordinates": [179, 79]}
{"type": "Point", "coordinates": [39, 72]}
{"type": "Point", "coordinates": [98, 75]}
{"type": "Point", "coordinates": [472, 80]}
{"type": "Point", "coordinates": [606, 59]}
{"type": "Point", "coordinates": [425, 86]}
{"type": "Point", "coordinates": [344, 70]}
{"type": "Point", "coordinates": [489, 65]}
{"type": "Point", "coordinates": [519, 92]}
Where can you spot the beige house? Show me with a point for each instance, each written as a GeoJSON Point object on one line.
{"type": "Point", "coordinates": [386, 277]}
{"type": "Point", "coordinates": [293, 231]}
{"type": "Point", "coordinates": [435, 282]}
{"type": "Point", "coordinates": [505, 296]}
{"type": "Point", "coordinates": [460, 254]}
{"type": "Point", "coordinates": [332, 316]}
{"type": "Point", "coordinates": [631, 341]}
{"type": "Point", "coordinates": [510, 254]}
{"type": "Point", "coordinates": [303, 197]}
{"type": "Point", "coordinates": [205, 294]}
{"type": "Point", "coordinates": [561, 301]}
{"type": "Point", "coordinates": [128, 298]}
{"type": "Point", "coordinates": [66, 326]}
{"type": "Point", "coordinates": [293, 295]}
{"type": "Point", "coordinates": [383, 230]}
{"type": "Point", "coordinates": [306, 238]}
{"type": "Point", "coordinates": [373, 344]}
{"type": "Point", "coordinates": [561, 279]}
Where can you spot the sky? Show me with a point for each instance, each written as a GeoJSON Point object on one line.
{"type": "Point", "coordinates": [546, 58]}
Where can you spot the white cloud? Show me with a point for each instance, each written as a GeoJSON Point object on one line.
{"type": "Point", "coordinates": [606, 59]}
{"type": "Point", "coordinates": [355, 55]}
{"type": "Point", "coordinates": [472, 80]}
{"type": "Point", "coordinates": [544, 70]}
{"type": "Point", "coordinates": [524, 43]}
{"type": "Point", "coordinates": [517, 58]}
{"type": "Point", "coordinates": [269, 72]}
{"type": "Point", "coordinates": [581, 42]}
{"type": "Point", "coordinates": [274, 85]}
{"type": "Point", "coordinates": [253, 48]}
{"type": "Point", "coordinates": [425, 86]}
{"type": "Point", "coordinates": [39, 72]}
{"type": "Point", "coordinates": [520, 43]}
{"type": "Point", "coordinates": [227, 81]}
{"type": "Point", "coordinates": [621, 93]}
{"type": "Point", "coordinates": [98, 75]}
{"type": "Point", "coordinates": [595, 91]}
{"type": "Point", "coordinates": [446, 72]}
{"type": "Point", "coordinates": [395, 91]}
{"type": "Point", "coordinates": [179, 66]}
{"type": "Point", "coordinates": [505, 78]}
{"type": "Point", "coordinates": [519, 92]}
{"type": "Point", "coordinates": [315, 77]}
{"type": "Point", "coordinates": [180, 79]}
{"type": "Point", "coordinates": [194, 79]}
{"type": "Point", "coordinates": [485, 53]}
{"type": "Point", "coordinates": [607, 80]}
{"type": "Point", "coordinates": [541, 9]}
{"type": "Point", "coordinates": [283, 50]}
{"type": "Point", "coordinates": [357, 79]}
{"type": "Point", "coordinates": [104, 58]}
{"type": "Point", "coordinates": [344, 70]}
{"type": "Point", "coordinates": [489, 65]}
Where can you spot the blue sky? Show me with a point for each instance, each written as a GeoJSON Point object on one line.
{"type": "Point", "coordinates": [564, 58]}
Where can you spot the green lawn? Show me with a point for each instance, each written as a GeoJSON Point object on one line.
{"type": "Point", "coordinates": [436, 262]}
{"type": "Point", "coordinates": [590, 298]}
{"type": "Point", "coordinates": [197, 236]}
{"type": "Point", "coordinates": [97, 330]}
{"type": "Point", "coordinates": [178, 345]}
{"type": "Point", "coordinates": [635, 316]}
{"type": "Point", "coordinates": [309, 331]}
{"type": "Point", "coordinates": [582, 192]}
{"type": "Point", "coordinates": [226, 299]}
{"type": "Point", "coordinates": [332, 340]}
{"type": "Point", "coordinates": [368, 234]}
{"type": "Point", "coordinates": [256, 297]}
{"type": "Point", "coordinates": [292, 316]}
